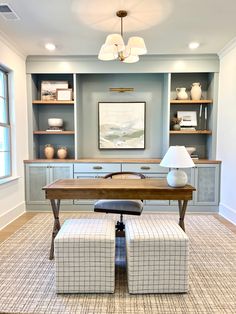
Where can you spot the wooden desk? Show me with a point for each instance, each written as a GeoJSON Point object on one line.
{"type": "Point", "coordinates": [146, 189]}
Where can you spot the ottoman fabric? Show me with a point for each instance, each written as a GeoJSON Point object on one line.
{"type": "Point", "coordinates": [157, 256]}
{"type": "Point", "coordinates": [85, 256]}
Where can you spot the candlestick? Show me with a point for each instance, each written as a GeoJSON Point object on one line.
{"type": "Point", "coordinates": [206, 113]}
{"type": "Point", "coordinates": [200, 113]}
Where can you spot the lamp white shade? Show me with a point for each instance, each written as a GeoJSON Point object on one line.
{"type": "Point", "coordinates": [107, 53]}
{"type": "Point", "coordinates": [177, 157]}
{"type": "Point", "coordinates": [115, 40]}
{"type": "Point", "coordinates": [131, 59]}
{"type": "Point", "coordinates": [137, 46]}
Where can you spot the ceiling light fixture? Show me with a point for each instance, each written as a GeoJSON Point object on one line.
{"type": "Point", "coordinates": [50, 46]}
{"type": "Point", "coordinates": [114, 46]}
{"type": "Point", "coordinates": [193, 45]}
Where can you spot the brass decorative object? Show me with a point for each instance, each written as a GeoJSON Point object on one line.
{"type": "Point", "coordinates": [121, 89]}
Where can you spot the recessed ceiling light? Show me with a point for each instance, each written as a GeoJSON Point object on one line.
{"type": "Point", "coordinates": [50, 46]}
{"type": "Point", "coordinates": [193, 45]}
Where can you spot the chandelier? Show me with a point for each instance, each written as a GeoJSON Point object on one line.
{"type": "Point", "coordinates": [114, 46]}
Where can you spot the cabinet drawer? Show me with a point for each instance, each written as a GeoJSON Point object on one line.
{"type": "Point", "coordinates": [144, 168]}
{"type": "Point", "coordinates": [97, 167]}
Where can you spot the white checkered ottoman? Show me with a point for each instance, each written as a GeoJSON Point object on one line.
{"type": "Point", "coordinates": [157, 256]}
{"type": "Point", "coordinates": [85, 256]}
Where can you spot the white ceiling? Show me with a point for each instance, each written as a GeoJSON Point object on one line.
{"type": "Point", "coordinates": [79, 27]}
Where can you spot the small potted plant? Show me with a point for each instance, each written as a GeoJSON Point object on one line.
{"type": "Point", "coordinates": [175, 123]}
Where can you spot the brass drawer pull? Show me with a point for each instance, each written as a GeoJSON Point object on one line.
{"type": "Point", "coordinates": [145, 168]}
{"type": "Point", "coordinates": [97, 167]}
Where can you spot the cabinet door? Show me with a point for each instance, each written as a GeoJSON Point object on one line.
{"type": "Point", "coordinates": [156, 176]}
{"type": "Point", "coordinates": [61, 171]}
{"type": "Point", "coordinates": [191, 180]}
{"type": "Point", "coordinates": [207, 184]}
{"type": "Point", "coordinates": [37, 176]}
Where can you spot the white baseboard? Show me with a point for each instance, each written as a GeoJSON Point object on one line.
{"type": "Point", "coordinates": [11, 215]}
{"type": "Point", "coordinates": [228, 213]}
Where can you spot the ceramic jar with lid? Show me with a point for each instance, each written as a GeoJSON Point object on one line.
{"type": "Point", "coordinates": [49, 151]}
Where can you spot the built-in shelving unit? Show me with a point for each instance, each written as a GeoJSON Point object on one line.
{"type": "Point", "coordinates": [42, 110]}
{"type": "Point", "coordinates": [201, 136]}
{"type": "Point", "coordinates": [80, 115]}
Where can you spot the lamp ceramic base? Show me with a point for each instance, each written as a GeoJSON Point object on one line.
{"type": "Point", "coordinates": [177, 178]}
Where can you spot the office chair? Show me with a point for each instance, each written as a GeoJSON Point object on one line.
{"type": "Point", "coordinates": [128, 207]}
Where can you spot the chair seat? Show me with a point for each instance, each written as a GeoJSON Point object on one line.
{"type": "Point", "coordinates": [130, 207]}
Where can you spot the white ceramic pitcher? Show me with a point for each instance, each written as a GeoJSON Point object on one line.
{"type": "Point", "coordinates": [196, 91]}
{"type": "Point", "coordinates": [181, 93]}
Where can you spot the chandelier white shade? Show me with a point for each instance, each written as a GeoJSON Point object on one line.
{"type": "Point", "coordinates": [115, 47]}
{"type": "Point", "coordinates": [137, 46]}
{"type": "Point", "coordinates": [177, 157]}
{"type": "Point", "coordinates": [107, 53]}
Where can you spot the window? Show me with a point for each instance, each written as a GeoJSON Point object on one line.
{"type": "Point", "coordinates": [5, 128]}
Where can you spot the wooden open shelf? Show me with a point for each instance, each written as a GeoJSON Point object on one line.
{"type": "Point", "coordinates": [191, 132]}
{"type": "Point", "coordinates": [190, 102]}
{"type": "Point", "coordinates": [54, 132]}
{"type": "Point", "coordinates": [53, 102]}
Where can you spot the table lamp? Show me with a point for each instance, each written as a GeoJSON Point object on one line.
{"type": "Point", "coordinates": [177, 157]}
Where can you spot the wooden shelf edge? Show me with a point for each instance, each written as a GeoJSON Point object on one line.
{"type": "Point", "coordinates": [192, 132]}
{"type": "Point", "coordinates": [53, 102]}
{"type": "Point", "coordinates": [116, 160]}
{"type": "Point", "coordinates": [189, 101]}
{"type": "Point", "coordinates": [54, 132]}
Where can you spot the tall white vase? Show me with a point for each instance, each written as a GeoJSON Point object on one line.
{"type": "Point", "coordinates": [196, 91]}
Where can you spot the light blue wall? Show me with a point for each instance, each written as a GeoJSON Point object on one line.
{"type": "Point", "coordinates": [94, 88]}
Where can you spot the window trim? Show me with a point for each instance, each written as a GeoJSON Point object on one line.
{"type": "Point", "coordinates": [8, 124]}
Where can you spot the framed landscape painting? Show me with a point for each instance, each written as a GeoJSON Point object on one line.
{"type": "Point", "coordinates": [121, 125]}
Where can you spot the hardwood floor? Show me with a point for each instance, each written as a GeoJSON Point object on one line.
{"type": "Point", "coordinates": [225, 222]}
{"type": "Point", "coordinates": [15, 225]}
{"type": "Point", "coordinates": [19, 222]}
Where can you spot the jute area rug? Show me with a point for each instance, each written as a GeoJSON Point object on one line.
{"type": "Point", "coordinates": [27, 276]}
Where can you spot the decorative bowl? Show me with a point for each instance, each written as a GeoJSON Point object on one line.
{"type": "Point", "coordinates": [190, 150]}
{"type": "Point", "coordinates": [55, 122]}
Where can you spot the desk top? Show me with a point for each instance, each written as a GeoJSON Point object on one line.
{"type": "Point", "coordinates": [146, 189]}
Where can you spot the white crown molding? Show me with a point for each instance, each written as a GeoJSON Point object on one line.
{"type": "Point", "coordinates": [157, 57]}
{"type": "Point", "coordinates": [227, 48]}
{"type": "Point", "coordinates": [8, 42]}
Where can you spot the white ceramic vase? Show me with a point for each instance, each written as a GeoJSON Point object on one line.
{"type": "Point", "coordinates": [196, 91]}
{"type": "Point", "coordinates": [181, 93]}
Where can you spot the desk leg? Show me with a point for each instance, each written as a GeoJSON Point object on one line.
{"type": "Point", "coordinates": [182, 211]}
{"type": "Point", "coordinates": [56, 227]}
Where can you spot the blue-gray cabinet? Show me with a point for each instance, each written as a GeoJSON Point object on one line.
{"type": "Point", "coordinates": [38, 175]}
{"type": "Point", "coordinates": [205, 177]}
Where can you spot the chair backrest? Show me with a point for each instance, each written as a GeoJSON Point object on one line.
{"type": "Point", "coordinates": [125, 175]}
